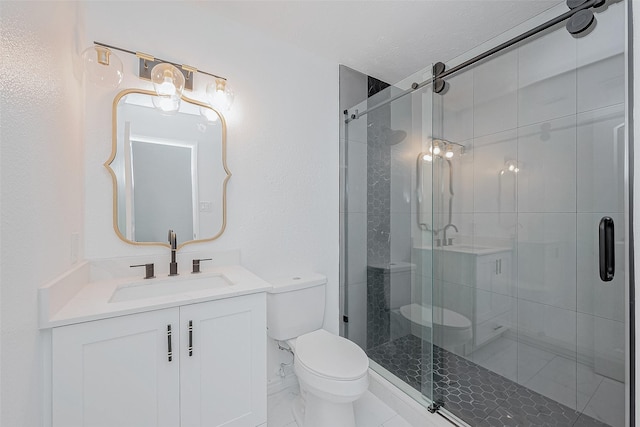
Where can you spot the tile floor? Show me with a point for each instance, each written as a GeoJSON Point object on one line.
{"type": "Point", "coordinates": [503, 380]}
{"type": "Point", "coordinates": [572, 384]}
{"type": "Point", "coordinates": [543, 379]}
{"type": "Point", "coordinates": [369, 411]}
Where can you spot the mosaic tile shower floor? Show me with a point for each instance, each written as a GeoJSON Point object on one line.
{"type": "Point", "coordinates": [471, 392]}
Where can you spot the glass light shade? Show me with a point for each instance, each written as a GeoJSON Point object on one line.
{"type": "Point", "coordinates": [102, 67]}
{"type": "Point", "coordinates": [220, 95]}
{"type": "Point", "coordinates": [166, 104]}
{"type": "Point", "coordinates": [168, 81]}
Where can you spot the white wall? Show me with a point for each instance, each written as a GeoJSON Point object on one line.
{"type": "Point", "coordinates": [282, 138]}
{"type": "Point", "coordinates": [282, 151]}
{"type": "Point", "coordinates": [41, 174]}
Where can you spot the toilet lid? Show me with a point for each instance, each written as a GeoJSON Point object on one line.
{"type": "Point", "coordinates": [331, 356]}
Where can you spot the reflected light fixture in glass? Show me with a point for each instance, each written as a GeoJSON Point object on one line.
{"type": "Point", "coordinates": [449, 152]}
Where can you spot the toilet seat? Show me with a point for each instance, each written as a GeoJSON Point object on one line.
{"type": "Point", "coordinates": [330, 356]}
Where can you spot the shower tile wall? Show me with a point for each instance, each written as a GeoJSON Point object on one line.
{"type": "Point", "coordinates": [378, 176]}
{"type": "Point", "coordinates": [378, 215]}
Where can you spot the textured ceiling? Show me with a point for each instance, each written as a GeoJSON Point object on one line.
{"type": "Point", "coordinates": [386, 39]}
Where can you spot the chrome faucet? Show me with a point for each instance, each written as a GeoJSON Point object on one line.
{"type": "Point", "coordinates": [448, 242]}
{"type": "Point", "coordinates": [173, 242]}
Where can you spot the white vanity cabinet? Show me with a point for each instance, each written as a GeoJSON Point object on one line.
{"type": "Point", "coordinates": [127, 371]}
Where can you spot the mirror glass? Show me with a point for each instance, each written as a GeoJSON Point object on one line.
{"type": "Point", "coordinates": [169, 170]}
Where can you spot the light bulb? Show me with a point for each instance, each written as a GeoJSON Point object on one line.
{"type": "Point", "coordinates": [427, 158]}
{"type": "Point", "coordinates": [449, 153]}
{"type": "Point", "coordinates": [102, 67]}
{"type": "Point", "coordinates": [166, 104]}
{"type": "Point", "coordinates": [168, 81]}
{"type": "Point", "coordinates": [166, 88]}
{"type": "Point", "coordinates": [436, 149]}
{"type": "Point", "coordinates": [516, 170]}
{"type": "Point", "coordinates": [511, 167]}
{"type": "Point", "coordinates": [220, 95]}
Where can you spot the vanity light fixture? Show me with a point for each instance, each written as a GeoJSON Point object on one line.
{"type": "Point", "coordinates": [102, 67]}
{"type": "Point", "coordinates": [164, 75]}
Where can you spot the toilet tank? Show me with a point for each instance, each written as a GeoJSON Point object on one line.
{"type": "Point", "coordinates": [295, 305]}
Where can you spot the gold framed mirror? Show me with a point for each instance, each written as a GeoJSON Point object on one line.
{"type": "Point", "coordinates": [169, 171]}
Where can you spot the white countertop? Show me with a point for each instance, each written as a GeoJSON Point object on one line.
{"type": "Point", "coordinates": [66, 300]}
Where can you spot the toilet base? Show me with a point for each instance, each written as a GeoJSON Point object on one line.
{"type": "Point", "coordinates": [311, 411]}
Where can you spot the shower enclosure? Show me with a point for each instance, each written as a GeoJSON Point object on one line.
{"type": "Point", "coordinates": [485, 228]}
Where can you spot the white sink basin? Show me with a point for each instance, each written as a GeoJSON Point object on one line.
{"type": "Point", "coordinates": [161, 287]}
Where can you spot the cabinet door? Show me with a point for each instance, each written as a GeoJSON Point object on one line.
{"type": "Point", "coordinates": [223, 379]}
{"type": "Point", "coordinates": [504, 280]}
{"type": "Point", "coordinates": [116, 372]}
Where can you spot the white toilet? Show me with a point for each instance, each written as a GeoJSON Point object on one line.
{"type": "Point", "coordinates": [332, 371]}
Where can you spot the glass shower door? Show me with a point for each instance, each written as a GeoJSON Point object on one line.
{"type": "Point", "coordinates": [525, 328]}
{"type": "Point", "coordinates": [386, 245]}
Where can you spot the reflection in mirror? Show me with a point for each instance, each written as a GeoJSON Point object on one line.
{"type": "Point", "coordinates": [169, 170]}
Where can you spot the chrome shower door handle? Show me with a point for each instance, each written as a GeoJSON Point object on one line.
{"type": "Point", "coordinates": [607, 249]}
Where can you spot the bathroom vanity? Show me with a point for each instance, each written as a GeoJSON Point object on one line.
{"type": "Point", "coordinates": [187, 350]}
{"type": "Point", "coordinates": [477, 282]}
